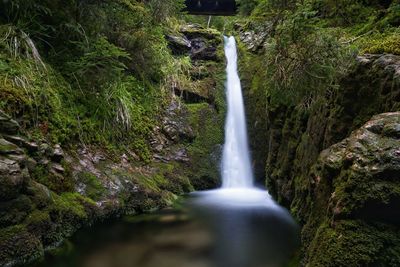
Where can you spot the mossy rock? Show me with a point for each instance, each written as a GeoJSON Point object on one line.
{"type": "Point", "coordinates": [93, 187]}
{"type": "Point", "coordinates": [14, 212]}
{"type": "Point", "coordinates": [56, 182]}
{"type": "Point", "coordinates": [13, 178]}
{"type": "Point", "coordinates": [355, 243]}
{"type": "Point", "coordinates": [17, 245]}
{"type": "Point", "coordinates": [349, 202]}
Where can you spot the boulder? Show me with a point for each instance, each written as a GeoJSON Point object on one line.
{"type": "Point", "coordinates": [366, 170]}
{"type": "Point", "coordinates": [355, 195]}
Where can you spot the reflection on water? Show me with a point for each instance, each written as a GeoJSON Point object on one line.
{"type": "Point", "coordinates": [211, 234]}
{"type": "Point", "coordinates": [248, 228]}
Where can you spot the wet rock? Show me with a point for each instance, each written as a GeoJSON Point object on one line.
{"type": "Point", "coordinates": [7, 148]}
{"type": "Point", "coordinates": [12, 178]}
{"type": "Point", "coordinates": [368, 162]}
{"type": "Point", "coordinates": [175, 126]}
{"type": "Point", "coordinates": [179, 45]}
{"type": "Point", "coordinates": [39, 194]}
{"type": "Point", "coordinates": [30, 164]}
{"type": "Point", "coordinates": [201, 50]}
{"type": "Point", "coordinates": [204, 43]}
{"type": "Point", "coordinates": [57, 154]}
{"type": "Point", "coordinates": [256, 38]}
{"type": "Point", "coordinates": [57, 168]}
{"type": "Point", "coordinates": [181, 155]}
{"type": "Point", "coordinates": [8, 125]}
{"type": "Point", "coordinates": [161, 158]}
{"type": "Point", "coordinates": [22, 142]}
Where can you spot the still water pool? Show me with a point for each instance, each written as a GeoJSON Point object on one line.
{"type": "Point", "coordinates": [201, 234]}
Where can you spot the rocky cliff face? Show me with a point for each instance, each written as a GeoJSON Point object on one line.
{"type": "Point", "coordinates": [47, 191]}
{"type": "Point", "coordinates": [344, 193]}
{"type": "Point", "coordinates": [297, 136]}
{"type": "Point", "coordinates": [352, 198]}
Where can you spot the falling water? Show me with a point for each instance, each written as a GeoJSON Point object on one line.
{"type": "Point", "coordinates": [236, 169]}
{"type": "Point", "coordinates": [238, 225]}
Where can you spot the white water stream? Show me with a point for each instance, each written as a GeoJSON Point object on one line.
{"type": "Point", "coordinates": [238, 188]}
{"type": "Point", "coordinates": [236, 167]}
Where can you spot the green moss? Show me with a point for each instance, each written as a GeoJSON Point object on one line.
{"type": "Point", "coordinates": [389, 44]}
{"type": "Point", "coordinates": [41, 225]}
{"type": "Point", "coordinates": [205, 150]}
{"type": "Point", "coordinates": [93, 187]}
{"type": "Point", "coordinates": [18, 246]}
{"type": "Point", "coordinates": [355, 243]}
{"type": "Point", "coordinates": [71, 203]}
{"type": "Point", "coordinates": [55, 182]}
{"type": "Point", "coordinates": [14, 211]}
{"type": "Point", "coordinates": [6, 147]}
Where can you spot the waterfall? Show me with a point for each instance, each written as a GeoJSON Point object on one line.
{"type": "Point", "coordinates": [236, 167]}
{"type": "Point", "coordinates": [238, 190]}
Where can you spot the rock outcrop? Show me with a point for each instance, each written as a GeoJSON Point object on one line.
{"type": "Point", "coordinates": [192, 125]}
{"type": "Point", "coordinates": [204, 47]}
{"type": "Point", "coordinates": [351, 214]}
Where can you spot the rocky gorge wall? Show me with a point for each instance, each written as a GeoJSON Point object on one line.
{"type": "Point", "coordinates": [47, 192]}
{"type": "Point", "coordinates": [334, 164]}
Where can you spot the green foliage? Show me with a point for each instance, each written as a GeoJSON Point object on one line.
{"type": "Point", "coordinates": [304, 61]}
{"type": "Point", "coordinates": [66, 78]}
{"type": "Point", "coordinates": [164, 9]}
{"type": "Point", "coordinates": [246, 7]}
{"type": "Point", "coordinates": [307, 53]}
{"type": "Point", "coordinates": [100, 62]}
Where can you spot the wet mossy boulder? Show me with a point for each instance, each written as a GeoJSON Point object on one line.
{"type": "Point", "coordinates": [352, 202]}
{"type": "Point", "coordinates": [18, 245]}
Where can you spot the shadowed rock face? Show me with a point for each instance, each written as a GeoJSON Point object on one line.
{"type": "Point", "coordinates": [354, 216]}
{"type": "Point", "coordinates": [211, 7]}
